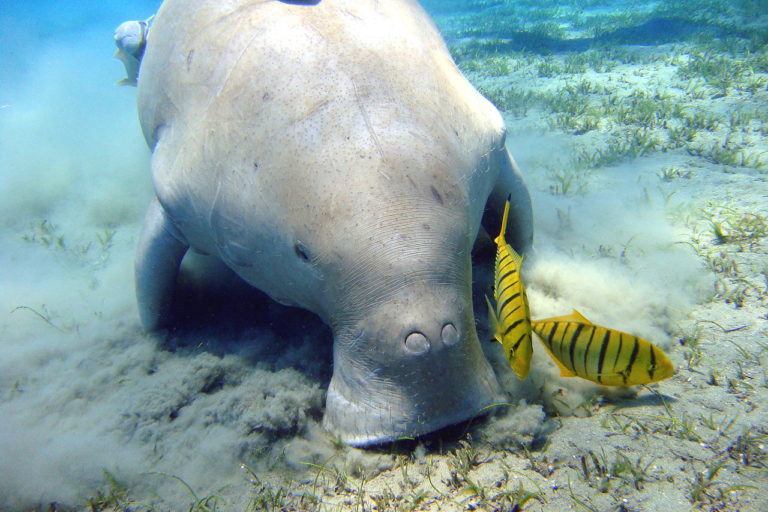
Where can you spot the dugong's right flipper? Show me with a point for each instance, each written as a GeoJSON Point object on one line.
{"type": "Point", "coordinates": [161, 249]}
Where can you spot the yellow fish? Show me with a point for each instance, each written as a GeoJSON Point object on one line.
{"type": "Point", "coordinates": [511, 319]}
{"type": "Point", "coordinates": [604, 356]}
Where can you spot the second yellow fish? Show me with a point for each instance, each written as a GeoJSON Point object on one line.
{"type": "Point", "coordinates": [511, 319]}
{"type": "Point", "coordinates": [604, 356]}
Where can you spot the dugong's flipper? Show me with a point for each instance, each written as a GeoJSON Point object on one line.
{"type": "Point", "coordinates": [158, 258]}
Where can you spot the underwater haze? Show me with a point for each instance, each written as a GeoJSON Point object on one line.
{"type": "Point", "coordinates": [641, 129]}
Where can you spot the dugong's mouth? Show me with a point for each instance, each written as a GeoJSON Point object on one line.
{"type": "Point", "coordinates": [413, 395]}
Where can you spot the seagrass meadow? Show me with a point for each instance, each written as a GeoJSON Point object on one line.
{"type": "Point", "coordinates": [642, 131]}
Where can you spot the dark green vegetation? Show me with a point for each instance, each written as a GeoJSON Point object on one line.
{"type": "Point", "coordinates": [630, 80]}
{"type": "Point", "coordinates": [550, 26]}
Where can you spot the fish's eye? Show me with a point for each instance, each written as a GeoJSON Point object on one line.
{"type": "Point", "coordinates": [301, 251]}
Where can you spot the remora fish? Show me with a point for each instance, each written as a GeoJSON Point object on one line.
{"type": "Point", "coordinates": [601, 355]}
{"type": "Point", "coordinates": [511, 319]}
{"type": "Point", "coordinates": [131, 41]}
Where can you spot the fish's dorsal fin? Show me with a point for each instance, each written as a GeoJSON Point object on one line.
{"type": "Point", "coordinates": [575, 316]}
{"type": "Point", "coordinates": [565, 318]}
{"type": "Point", "coordinates": [517, 260]}
{"type": "Point", "coordinates": [515, 257]}
{"type": "Point", "coordinates": [500, 239]}
{"type": "Point", "coordinates": [578, 317]}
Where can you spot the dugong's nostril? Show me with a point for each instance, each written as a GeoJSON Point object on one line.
{"type": "Point", "coordinates": [450, 335]}
{"type": "Point", "coordinates": [416, 343]}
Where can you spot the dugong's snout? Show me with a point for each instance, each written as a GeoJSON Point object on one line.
{"type": "Point", "coordinates": [411, 366]}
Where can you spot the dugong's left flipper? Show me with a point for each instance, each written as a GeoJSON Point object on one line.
{"type": "Point", "coordinates": [161, 249]}
{"type": "Point", "coordinates": [510, 182]}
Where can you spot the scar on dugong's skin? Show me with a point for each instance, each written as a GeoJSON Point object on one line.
{"type": "Point", "coordinates": [332, 155]}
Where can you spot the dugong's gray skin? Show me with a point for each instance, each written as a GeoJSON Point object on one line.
{"type": "Point", "coordinates": [333, 156]}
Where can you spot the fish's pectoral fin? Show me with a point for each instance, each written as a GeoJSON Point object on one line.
{"type": "Point", "coordinates": [494, 321]}
{"type": "Point", "coordinates": [564, 372]}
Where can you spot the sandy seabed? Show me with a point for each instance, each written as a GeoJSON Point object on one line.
{"type": "Point", "coordinates": [648, 174]}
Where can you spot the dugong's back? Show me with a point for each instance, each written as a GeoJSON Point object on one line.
{"type": "Point", "coordinates": [280, 85]}
{"type": "Point", "coordinates": [204, 50]}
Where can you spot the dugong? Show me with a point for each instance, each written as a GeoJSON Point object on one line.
{"type": "Point", "coordinates": [332, 155]}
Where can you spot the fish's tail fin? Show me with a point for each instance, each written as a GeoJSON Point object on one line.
{"type": "Point", "coordinates": [500, 239]}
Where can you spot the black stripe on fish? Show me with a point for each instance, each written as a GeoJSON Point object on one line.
{"type": "Point", "coordinates": [507, 300]}
{"type": "Point", "coordinates": [509, 266]}
{"type": "Point", "coordinates": [561, 342]}
{"type": "Point", "coordinates": [591, 359]}
{"type": "Point", "coordinates": [507, 275]}
{"type": "Point", "coordinates": [586, 355]}
{"type": "Point", "coordinates": [506, 284]}
{"type": "Point", "coordinates": [551, 333]}
{"type": "Point", "coordinates": [618, 351]}
{"type": "Point", "coordinates": [513, 325]}
{"type": "Point", "coordinates": [574, 340]}
{"type": "Point", "coordinates": [652, 366]}
{"type": "Point", "coordinates": [603, 350]}
{"type": "Point", "coordinates": [507, 315]}
{"type": "Point", "coordinates": [632, 358]}
{"type": "Point", "coordinates": [519, 340]}
{"type": "Point", "coordinates": [510, 285]}
{"type": "Point", "coordinates": [501, 269]}
{"type": "Point", "coordinates": [554, 344]}
{"type": "Point", "coordinates": [501, 260]}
